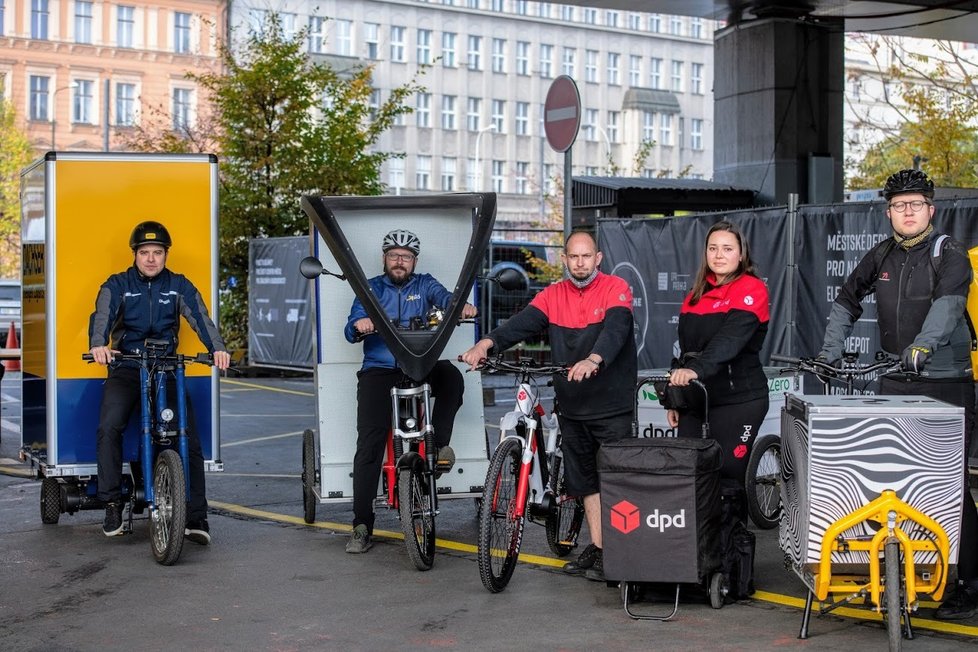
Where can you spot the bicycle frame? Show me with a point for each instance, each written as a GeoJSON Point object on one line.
{"type": "Point", "coordinates": [151, 437]}
{"type": "Point", "coordinates": [416, 401]}
{"type": "Point", "coordinates": [531, 488]}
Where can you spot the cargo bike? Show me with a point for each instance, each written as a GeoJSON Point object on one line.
{"type": "Point", "coordinates": [872, 488]}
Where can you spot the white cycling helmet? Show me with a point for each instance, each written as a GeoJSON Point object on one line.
{"type": "Point", "coordinates": [402, 239]}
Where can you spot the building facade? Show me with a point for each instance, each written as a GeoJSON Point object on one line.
{"type": "Point", "coordinates": [486, 66]}
{"type": "Point", "coordinates": [83, 72]}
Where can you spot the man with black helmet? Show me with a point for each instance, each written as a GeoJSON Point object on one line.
{"type": "Point", "coordinates": [406, 298]}
{"type": "Point", "coordinates": [145, 301]}
{"type": "Point", "coordinates": [921, 280]}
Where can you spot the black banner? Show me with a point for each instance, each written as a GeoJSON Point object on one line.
{"type": "Point", "coordinates": [279, 300]}
{"type": "Point", "coordinates": [804, 257]}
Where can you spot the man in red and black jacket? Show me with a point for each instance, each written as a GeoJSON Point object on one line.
{"type": "Point", "coordinates": [589, 319]}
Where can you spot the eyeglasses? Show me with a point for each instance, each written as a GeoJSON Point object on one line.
{"type": "Point", "coordinates": [916, 205]}
{"type": "Point", "coordinates": [403, 258]}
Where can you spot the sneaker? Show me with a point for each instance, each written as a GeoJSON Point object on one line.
{"type": "Point", "coordinates": [360, 541]}
{"type": "Point", "coordinates": [445, 459]}
{"type": "Point", "coordinates": [112, 524]}
{"type": "Point", "coordinates": [587, 559]}
{"type": "Point", "coordinates": [596, 572]}
{"type": "Point", "coordinates": [198, 532]}
{"type": "Point", "coordinates": [960, 605]}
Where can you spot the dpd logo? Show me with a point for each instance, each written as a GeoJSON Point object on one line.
{"type": "Point", "coordinates": [625, 518]}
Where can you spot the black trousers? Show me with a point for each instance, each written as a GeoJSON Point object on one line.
{"type": "Point", "coordinates": [961, 394]}
{"type": "Point", "coordinates": [374, 423]}
{"type": "Point", "coordinates": [119, 400]}
{"type": "Point", "coordinates": [734, 427]}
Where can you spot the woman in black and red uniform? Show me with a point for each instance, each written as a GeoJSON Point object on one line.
{"type": "Point", "coordinates": [722, 325]}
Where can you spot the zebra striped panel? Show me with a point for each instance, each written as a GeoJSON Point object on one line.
{"type": "Point", "coordinates": [840, 452]}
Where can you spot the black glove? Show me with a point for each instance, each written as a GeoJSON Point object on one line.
{"type": "Point", "coordinates": [915, 357]}
{"type": "Point", "coordinates": [824, 359]}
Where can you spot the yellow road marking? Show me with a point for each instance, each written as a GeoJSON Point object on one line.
{"type": "Point", "coordinates": [241, 383]}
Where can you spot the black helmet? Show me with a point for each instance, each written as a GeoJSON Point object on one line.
{"type": "Point", "coordinates": [906, 181]}
{"type": "Point", "coordinates": [150, 233]}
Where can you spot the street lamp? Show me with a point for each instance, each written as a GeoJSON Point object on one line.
{"type": "Point", "coordinates": [478, 161]}
{"type": "Point", "coordinates": [54, 107]}
{"type": "Point", "coordinates": [609, 162]}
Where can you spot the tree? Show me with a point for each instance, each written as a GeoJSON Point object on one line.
{"type": "Point", "coordinates": [283, 126]}
{"type": "Point", "coordinates": [934, 97]}
{"type": "Point", "coordinates": [15, 154]}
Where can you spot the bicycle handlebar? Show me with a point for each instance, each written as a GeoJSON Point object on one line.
{"type": "Point", "coordinates": [884, 362]}
{"type": "Point", "coordinates": [202, 358]}
{"type": "Point", "coordinates": [526, 367]}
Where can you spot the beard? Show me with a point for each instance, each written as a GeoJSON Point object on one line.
{"type": "Point", "coordinates": [398, 275]}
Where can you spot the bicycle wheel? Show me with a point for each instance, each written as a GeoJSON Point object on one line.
{"type": "Point", "coordinates": [308, 476]}
{"type": "Point", "coordinates": [417, 516]}
{"type": "Point", "coordinates": [566, 516]}
{"type": "Point", "coordinates": [763, 480]}
{"type": "Point", "coordinates": [168, 516]}
{"type": "Point", "coordinates": [50, 501]}
{"type": "Point", "coordinates": [500, 518]}
{"type": "Point", "coordinates": [891, 595]}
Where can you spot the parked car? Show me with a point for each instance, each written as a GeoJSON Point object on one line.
{"type": "Point", "coordinates": [9, 308]}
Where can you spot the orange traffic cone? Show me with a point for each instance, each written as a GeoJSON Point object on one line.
{"type": "Point", "coordinates": [12, 343]}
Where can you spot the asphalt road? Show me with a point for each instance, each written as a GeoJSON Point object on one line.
{"type": "Point", "coordinates": [271, 582]}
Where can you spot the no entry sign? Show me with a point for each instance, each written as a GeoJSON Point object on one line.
{"type": "Point", "coordinates": [562, 113]}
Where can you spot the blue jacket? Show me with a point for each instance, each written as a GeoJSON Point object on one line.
{"type": "Point", "coordinates": [130, 308]}
{"type": "Point", "coordinates": [416, 297]}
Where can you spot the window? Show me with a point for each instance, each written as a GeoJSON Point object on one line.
{"type": "Point", "coordinates": [371, 38]}
{"type": "Point", "coordinates": [256, 20]}
{"type": "Point", "coordinates": [613, 61]}
{"type": "Point", "coordinates": [523, 57]}
{"type": "Point", "coordinates": [181, 32]}
{"type": "Point", "coordinates": [83, 21]}
{"type": "Point", "coordinates": [397, 43]}
{"type": "Point", "coordinates": [676, 25]}
{"type": "Point", "coordinates": [344, 38]}
{"type": "Point", "coordinates": [472, 4]}
{"type": "Point", "coordinates": [373, 103]}
{"type": "Point", "coordinates": [290, 24]}
{"type": "Point", "coordinates": [590, 16]}
{"type": "Point", "coordinates": [655, 23]}
{"type": "Point", "coordinates": [125, 104]}
{"type": "Point", "coordinates": [473, 114]}
{"type": "Point", "coordinates": [567, 62]}
{"type": "Point", "coordinates": [696, 78]}
{"type": "Point", "coordinates": [648, 126]}
{"type": "Point", "coordinates": [546, 61]}
{"type": "Point", "coordinates": [612, 130]}
{"type": "Point", "coordinates": [424, 46]}
{"type": "Point", "coordinates": [40, 88]}
{"type": "Point", "coordinates": [590, 123]}
{"type": "Point", "coordinates": [549, 186]}
{"type": "Point", "coordinates": [317, 34]}
{"type": "Point", "coordinates": [497, 176]}
{"type": "Point", "coordinates": [591, 66]}
{"type": "Point", "coordinates": [498, 115]}
{"type": "Point", "coordinates": [591, 171]}
{"type": "Point", "coordinates": [423, 109]}
{"type": "Point", "coordinates": [125, 26]}
{"type": "Point", "coordinates": [497, 5]}
{"type": "Point", "coordinates": [475, 53]}
{"type": "Point", "coordinates": [665, 130]}
{"type": "Point", "coordinates": [522, 118]}
{"type": "Point", "coordinates": [696, 27]}
{"type": "Point", "coordinates": [611, 18]}
{"type": "Point", "coordinates": [2, 10]}
{"type": "Point", "coordinates": [182, 108]}
{"type": "Point", "coordinates": [520, 6]}
{"type": "Point", "coordinates": [448, 174]}
{"type": "Point", "coordinates": [634, 70]}
{"type": "Point", "coordinates": [543, 9]}
{"type": "Point", "coordinates": [566, 13]}
{"type": "Point", "coordinates": [422, 173]}
{"type": "Point", "coordinates": [39, 20]}
{"type": "Point", "coordinates": [395, 174]}
{"type": "Point", "coordinates": [498, 55]}
{"type": "Point", "coordinates": [471, 178]}
{"type": "Point", "coordinates": [677, 76]}
{"type": "Point", "coordinates": [696, 134]}
{"type": "Point", "coordinates": [522, 177]}
{"type": "Point", "coordinates": [448, 49]}
{"type": "Point", "coordinates": [448, 112]}
{"type": "Point", "coordinates": [634, 21]}
{"type": "Point", "coordinates": [83, 104]}
{"type": "Point", "coordinates": [655, 73]}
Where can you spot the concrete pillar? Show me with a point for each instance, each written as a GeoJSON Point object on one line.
{"type": "Point", "coordinates": [778, 94]}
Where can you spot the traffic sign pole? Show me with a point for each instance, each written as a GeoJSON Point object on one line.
{"type": "Point", "coordinates": [568, 194]}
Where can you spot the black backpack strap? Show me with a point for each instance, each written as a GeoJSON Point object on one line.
{"type": "Point", "coordinates": [883, 252]}
{"type": "Point", "coordinates": [935, 256]}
